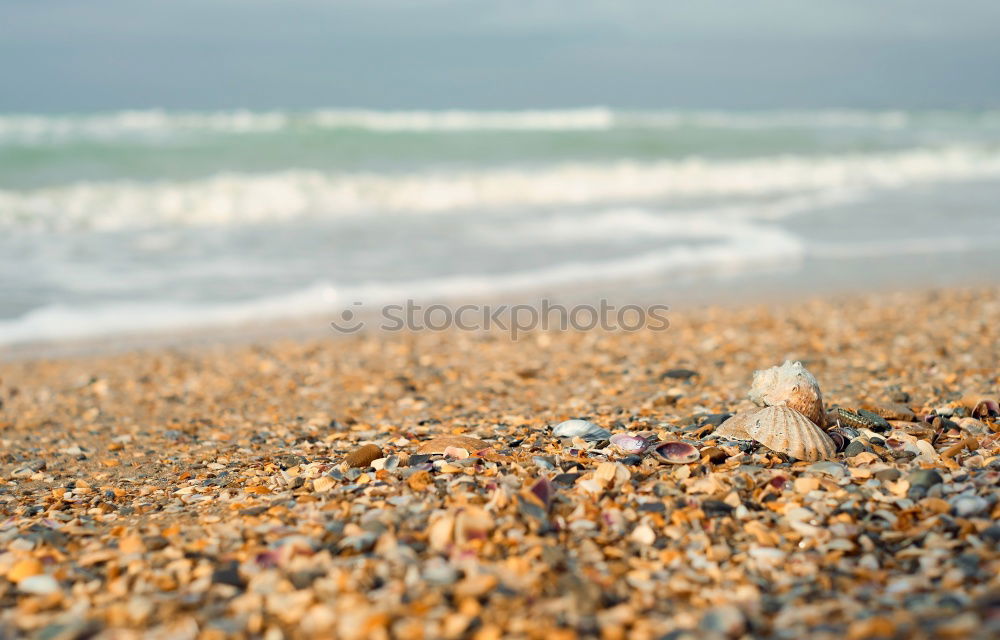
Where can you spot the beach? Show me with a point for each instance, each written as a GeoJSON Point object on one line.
{"type": "Point", "coordinates": [205, 490]}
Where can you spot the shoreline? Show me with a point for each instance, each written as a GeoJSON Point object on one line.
{"type": "Point", "coordinates": [819, 281]}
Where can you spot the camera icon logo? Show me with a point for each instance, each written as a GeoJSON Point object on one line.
{"type": "Point", "coordinates": [348, 322]}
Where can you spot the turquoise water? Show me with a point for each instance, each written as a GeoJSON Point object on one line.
{"type": "Point", "coordinates": [135, 221]}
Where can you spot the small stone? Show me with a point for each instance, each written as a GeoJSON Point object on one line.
{"type": "Point", "coordinates": [228, 575]}
{"type": "Point", "coordinates": [829, 468]}
{"type": "Point", "coordinates": [716, 508]}
{"type": "Point", "coordinates": [643, 535]}
{"type": "Point", "coordinates": [896, 394]}
{"type": "Point", "coordinates": [854, 448]}
{"type": "Point", "coordinates": [716, 419]}
{"type": "Point", "coordinates": [475, 586]}
{"type": "Point", "coordinates": [40, 585]}
{"type": "Point", "coordinates": [888, 475]}
{"type": "Point", "coordinates": [420, 480]}
{"type": "Point", "coordinates": [24, 569]}
{"type": "Point", "coordinates": [568, 479]}
{"type": "Point", "coordinates": [968, 505]}
{"type": "Point", "coordinates": [678, 374]}
{"type": "Point", "coordinates": [726, 620]}
{"type": "Point", "coordinates": [131, 544]}
{"type": "Point", "coordinates": [363, 456]}
{"type": "Point", "coordinates": [925, 478]}
{"type": "Point", "coordinates": [991, 533]}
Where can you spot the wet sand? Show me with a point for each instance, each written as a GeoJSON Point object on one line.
{"type": "Point", "coordinates": [202, 490]}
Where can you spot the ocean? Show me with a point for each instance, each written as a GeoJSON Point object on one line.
{"type": "Point", "coordinates": [140, 221]}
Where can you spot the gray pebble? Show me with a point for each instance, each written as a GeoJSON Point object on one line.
{"type": "Point", "coordinates": [925, 478]}
{"type": "Point", "coordinates": [888, 475]}
{"type": "Point", "coordinates": [854, 448]}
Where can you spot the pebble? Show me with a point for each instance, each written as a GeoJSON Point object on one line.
{"type": "Point", "coordinates": [888, 475]}
{"type": "Point", "coordinates": [363, 456]}
{"type": "Point", "coordinates": [40, 585]}
{"type": "Point", "coordinates": [924, 478]}
{"type": "Point", "coordinates": [964, 506]}
{"type": "Point", "coordinates": [679, 374]}
{"type": "Point", "coordinates": [834, 469]}
{"type": "Point", "coordinates": [727, 620]}
{"type": "Point", "coordinates": [854, 448]}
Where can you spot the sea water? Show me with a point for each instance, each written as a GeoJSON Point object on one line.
{"type": "Point", "coordinates": [158, 220]}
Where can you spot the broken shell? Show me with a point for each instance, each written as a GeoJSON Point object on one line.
{"type": "Point", "coordinates": [785, 430]}
{"type": "Point", "coordinates": [841, 437]}
{"type": "Point", "coordinates": [735, 428]}
{"type": "Point", "coordinates": [676, 452]}
{"type": "Point", "coordinates": [981, 405]}
{"type": "Point", "coordinates": [580, 428]}
{"type": "Point", "coordinates": [439, 445]}
{"type": "Point", "coordinates": [629, 443]}
{"type": "Point", "coordinates": [789, 385]}
{"type": "Point", "coordinates": [363, 456]}
{"type": "Point", "coordinates": [472, 523]}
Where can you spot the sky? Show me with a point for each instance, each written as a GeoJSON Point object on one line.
{"type": "Point", "coordinates": [66, 55]}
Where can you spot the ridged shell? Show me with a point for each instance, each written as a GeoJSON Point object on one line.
{"type": "Point", "coordinates": [789, 385]}
{"type": "Point", "coordinates": [438, 445]}
{"type": "Point", "coordinates": [735, 428]}
{"type": "Point", "coordinates": [582, 429]}
{"type": "Point", "coordinates": [787, 431]}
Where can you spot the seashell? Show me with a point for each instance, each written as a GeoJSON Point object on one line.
{"type": "Point", "coordinates": [363, 455]}
{"type": "Point", "coordinates": [581, 428]}
{"type": "Point", "coordinates": [440, 444]}
{"type": "Point", "coordinates": [981, 405]}
{"type": "Point", "coordinates": [629, 443]}
{"type": "Point", "coordinates": [715, 455]}
{"type": "Point", "coordinates": [676, 452]}
{"type": "Point", "coordinates": [785, 430]}
{"type": "Point", "coordinates": [612, 475]}
{"type": "Point", "coordinates": [735, 428]}
{"type": "Point", "coordinates": [472, 523]}
{"type": "Point", "coordinates": [789, 385]}
{"type": "Point", "coordinates": [842, 437]}
{"type": "Point", "coordinates": [459, 453]}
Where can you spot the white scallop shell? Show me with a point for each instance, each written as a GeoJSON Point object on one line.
{"type": "Point", "coordinates": [580, 428]}
{"type": "Point", "coordinates": [735, 427]}
{"type": "Point", "coordinates": [785, 430]}
{"type": "Point", "coordinates": [789, 385]}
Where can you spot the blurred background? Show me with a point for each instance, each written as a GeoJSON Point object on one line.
{"type": "Point", "coordinates": [167, 166]}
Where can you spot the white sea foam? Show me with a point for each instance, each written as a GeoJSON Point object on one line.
{"type": "Point", "coordinates": [731, 250]}
{"type": "Point", "coordinates": [631, 223]}
{"type": "Point", "coordinates": [158, 123]}
{"type": "Point", "coordinates": [236, 199]}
